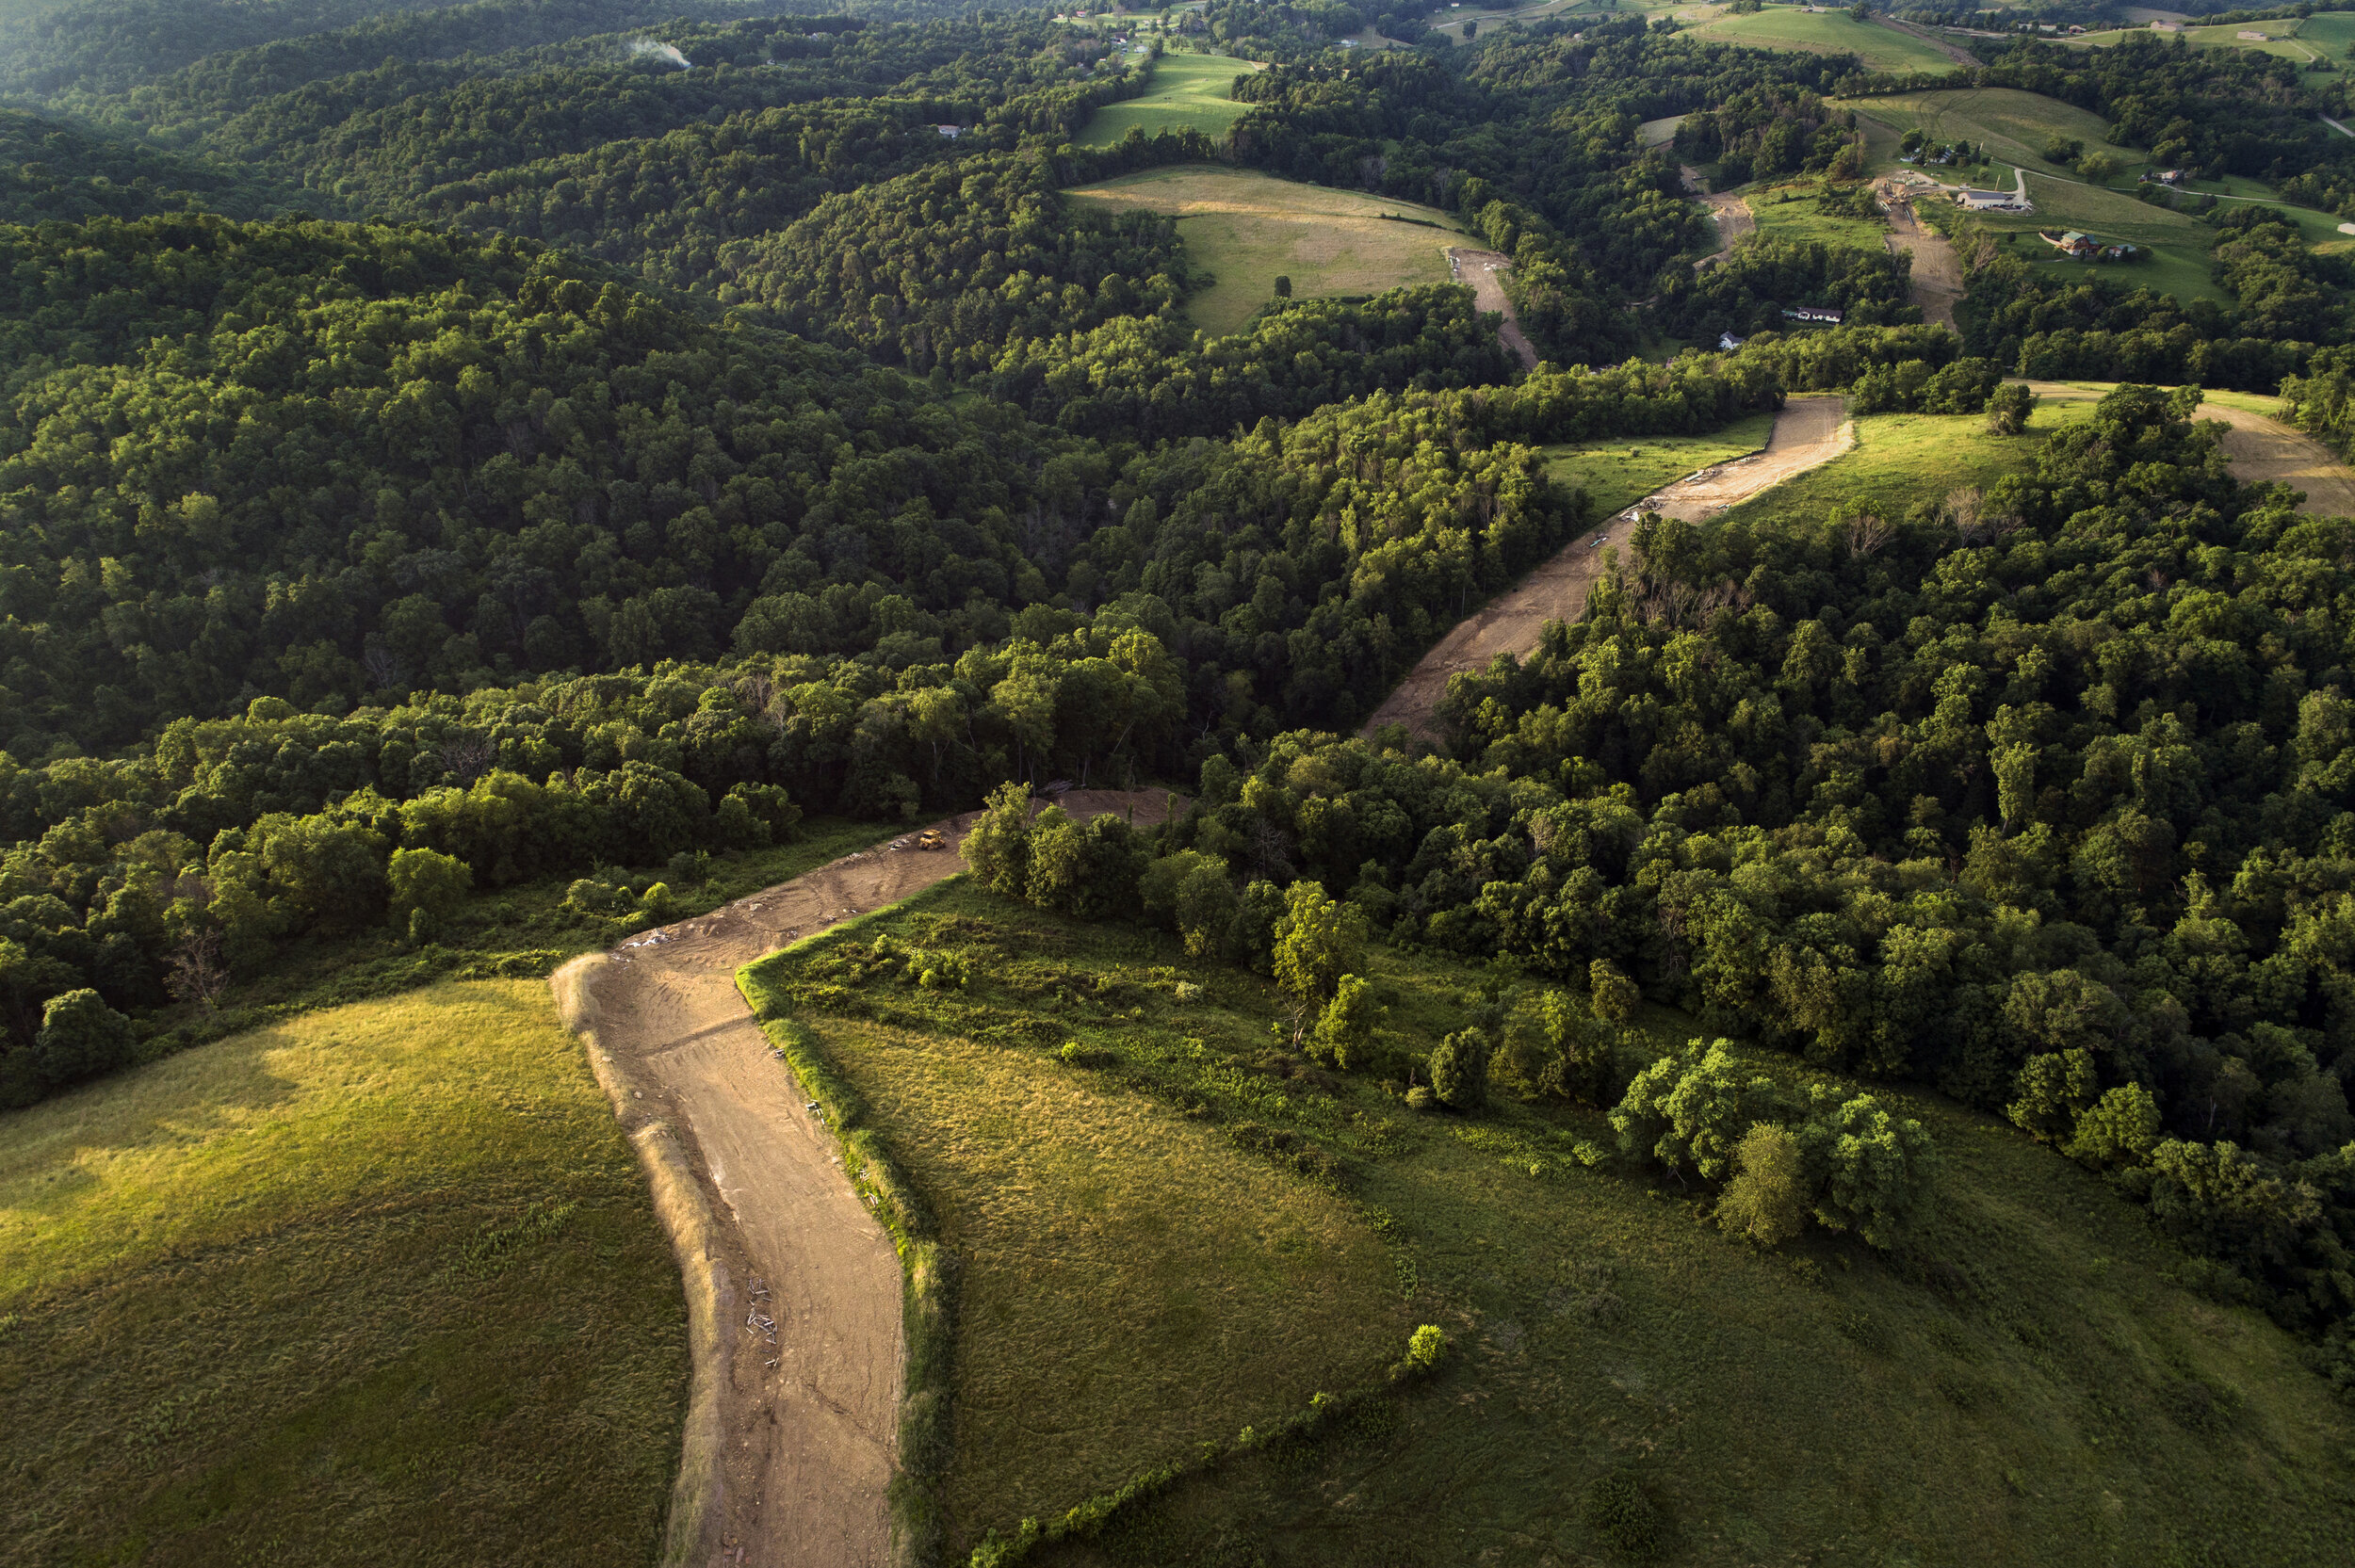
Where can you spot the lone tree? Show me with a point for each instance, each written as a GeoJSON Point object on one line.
{"type": "Point", "coordinates": [1317, 940]}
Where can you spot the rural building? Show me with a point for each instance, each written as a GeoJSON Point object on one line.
{"type": "Point", "coordinates": [1989, 200]}
{"type": "Point", "coordinates": [2162, 177]}
{"type": "Point", "coordinates": [1729, 342]}
{"type": "Point", "coordinates": [949, 131]}
{"type": "Point", "coordinates": [1822, 314]}
{"type": "Point", "coordinates": [2072, 243]}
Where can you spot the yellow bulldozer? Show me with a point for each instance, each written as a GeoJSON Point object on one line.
{"type": "Point", "coordinates": [931, 838]}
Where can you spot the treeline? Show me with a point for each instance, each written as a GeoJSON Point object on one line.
{"type": "Point", "coordinates": [2289, 299]}
{"type": "Point", "coordinates": [2044, 796]}
{"type": "Point", "coordinates": [1161, 379]}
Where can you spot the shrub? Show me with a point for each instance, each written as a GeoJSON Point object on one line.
{"type": "Point", "coordinates": [1344, 1037]}
{"type": "Point", "coordinates": [1426, 1349]}
{"type": "Point", "coordinates": [427, 882]}
{"type": "Point", "coordinates": [80, 1038]}
{"type": "Point", "coordinates": [1459, 1070]}
{"type": "Point", "coordinates": [1619, 1511]}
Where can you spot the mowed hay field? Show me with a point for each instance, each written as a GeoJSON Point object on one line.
{"type": "Point", "coordinates": [378, 1285]}
{"type": "Point", "coordinates": [1249, 229]}
{"type": "Point", "coordinates": [1188, 92]}
{"type": "Point", "coordinates": [2011, 124]}
{"type": "Point", "coordinates": [2025, 1383]}
{"type": "Point", "coordinates": [1618, 473]}
{"type": "Point", "coordinates": [1825, 33]}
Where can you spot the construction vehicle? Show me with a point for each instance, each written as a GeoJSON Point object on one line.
{"type": "Point", "coordinates": [931, 838]}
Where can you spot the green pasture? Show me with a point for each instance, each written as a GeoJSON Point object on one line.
{"type": "Point", "coordinates": [2011, 124]}
{"type": "Point", "coordinates": [1793, 212]}
{"type": "Point", "coordinates": [1618, 473]}
{"type": "Point", "coordinates": [1901, 458]}
{"type": "Point", "coordinates": [2287, 37]}
{"type": "Point", "coordinates": [1825, 33]}
{"type": "Point", "coordinates": [2024, 1383]}
{"type": "Point", "coordinates": [1186, 92]}
{"type": "Point", "coordinates": [1248, 228]}
{"type": "Point", "coordinates": [378, 1285]}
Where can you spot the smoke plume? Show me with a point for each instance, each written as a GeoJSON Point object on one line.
{"type": "Point", "coordinates": [646, 47]}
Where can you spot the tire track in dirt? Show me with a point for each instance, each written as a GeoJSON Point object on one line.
{"type": "Point", "coordinates": [1480, 269]}
{"type": "Point", "coordinates": [788, 1452]}
{"type": "Point", "coordinates": [1937, 275]}
{"type": "Point", "coordinates": [1807, 431]}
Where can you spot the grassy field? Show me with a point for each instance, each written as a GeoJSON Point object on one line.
{"type": "Point", "coordinates": [2012, 124]}
{"type": "Point", "coordinates": [1134, 1283]}
{"type": "Point", "coordinates": [1248, 229]}
{"type": "Point", "coordinates": [2287, 37]}
{"type": "Point", "coordinates": [1188, 92]}
{"type": "Point", "coordinates": [1618, 473]}
{"type": "Point", "coordinates": [1825, 33]}
{"type": "Point", "coordinates": [1791, 212]}
{"type": "Point", "coordinates": [380, 1285]}
{"type": "Point", "coordinates": [1901, 458]}
{"type": "Point", "coordinates": [2025, 1384]}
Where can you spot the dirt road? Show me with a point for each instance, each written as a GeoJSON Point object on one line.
{"type": "Point", "coordinates": [1807, 431]}
{"type": "Point", "coordinates": [798, 1278]}
{"type": "Point", "coordinates": [1734, 219]}
{"type": "Point", "coordinates": [1937, 270]}
{"type": "Point", "coordinates": [1480, 268]}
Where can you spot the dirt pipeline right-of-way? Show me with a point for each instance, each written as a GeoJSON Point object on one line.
{"type": "Point", "coordinates": [1807, 431]}
{"type": "Point", "coordinates": [794, 1288]}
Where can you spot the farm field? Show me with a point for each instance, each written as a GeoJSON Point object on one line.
{"type": "Point", "coordinates": [1618, 473]}
{"type": "Point", "coordinates": [2287, 37]}
{"type": "Point", "coordinates": [378, 1285]}
{"type": "Point", "coordinates": [1248, 228]}
{"type": "Point", "coordinates": [1188, 92]}
{"type": "Point", "coordinates": [1978, 1399]}
{"type": "Point", "coordinates": [1825, 33]}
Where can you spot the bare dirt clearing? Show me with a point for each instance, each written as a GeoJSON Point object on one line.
{"type": "Point", "coordinates": [1807, 431]}
{"type": "Point", "coordinates": [802, 1282]}
{"type": "Point", "coordinates": [1480, 268]}
{"type": "Point", "coordinates": [1733, 218]}
{"type": "Point", "coordinates": [1937, 270]}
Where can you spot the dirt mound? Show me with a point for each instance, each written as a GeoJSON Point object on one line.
{"type": "Point", "coordinates": [798, 1277]}
{"type": "Point", "coordinates": [1733, 218]}
{"type": "Point", "coordinates": [1807, 431]}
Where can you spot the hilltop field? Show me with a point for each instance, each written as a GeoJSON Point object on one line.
{"type": "Point", "coordinates": [382, 1284]}
{"type": "Point", "coordinates": [1830, 32]}
{"type": "Point", "coordinates": [1248, 228]}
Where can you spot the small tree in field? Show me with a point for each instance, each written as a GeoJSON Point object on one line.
{"type": "Point", "coordinates": [1769, 1198]}
{"type": "Point", "coordinates": [1317, 941]}
{"type": "Point", "coordinates": [80, 1038]}
{"type": "Point", "coordinates": [997, 850]}
{"type": "Point", "coordinates": [198, 973]}
{"type": "Point", "coordinates": [1345, 1032]}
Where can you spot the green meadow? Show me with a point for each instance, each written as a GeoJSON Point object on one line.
{"type": "Point", "coordinates": [1188, 92]}
{"type": "Point", "coordinates": [1825, 33]}
{"type": "Point", "coordinates": [382, 1284]}
{"type": "Point", "coordinates": [1618, 473]}
{"type": "Point", "coordinates": [1147, 1182]}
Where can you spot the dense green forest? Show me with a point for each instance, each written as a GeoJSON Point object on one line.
{"type": "Point", "coordinates": [450, 449]}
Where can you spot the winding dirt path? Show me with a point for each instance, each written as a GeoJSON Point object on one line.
{"type": "Point", "coordinates": [1807, 431]}
{"type": "Point", "coordinates": [792, 1285]}
{"type": "Point", "coordinates": [1480, 268]}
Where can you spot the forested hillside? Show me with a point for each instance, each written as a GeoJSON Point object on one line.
{"type": "Point", "coordinates": [532, 449]}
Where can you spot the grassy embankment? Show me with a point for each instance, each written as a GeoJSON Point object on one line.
{"type": "Point", "coordinates": [2024, 1384]}
{"type": "Point", "coordinates": [1618, 473]}
{"type": "Point", "coordinates": [378, 1285]}
{"type": "Point", "coordinates": [1248, 228]}
{"type": "Point", "coordinates": [1791, 211]}
{"type": "Point", "coordinates": [1188, 92]}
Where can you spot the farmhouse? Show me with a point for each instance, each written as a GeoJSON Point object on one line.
{"type": "Point", "coordinates": [2161, 177]}
{"type": "Point", "coordinates": [1729, 342]}
{"type": "Point", "coordinates": [2071, 243]}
